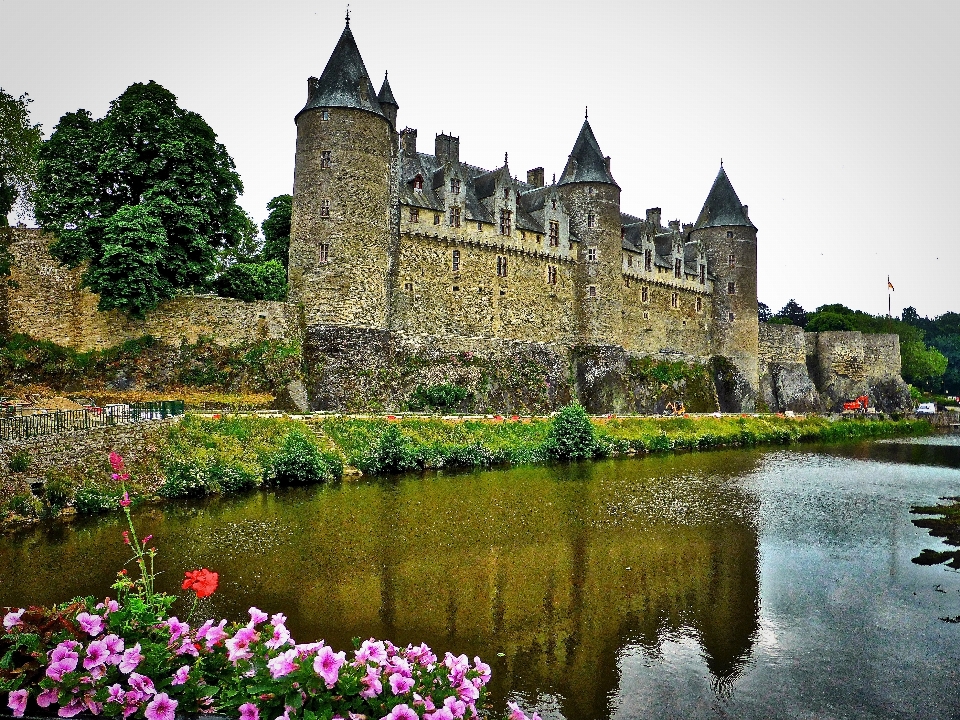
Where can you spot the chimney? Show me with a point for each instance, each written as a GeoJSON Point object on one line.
{"type": "Point", "coordinates": [313, 84]}
{"type": "Point", "coordinates": [606, 161]}
{"type": "Point", "coordinates": [746, 214]}
{"type": "Point", "coordinates": [674, 225]}
{"type": "Point", "coordinates": [408, 141]}
{"type": "Point", "coordinates": [653, 217]}
{"type": "Point", "coordinates": [447, 148]}
{"type": "Point", "coordinates": [535, 177]}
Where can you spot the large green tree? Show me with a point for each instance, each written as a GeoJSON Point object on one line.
{"type": "Point", "coordinates": [19, 142]}
{"type": "Point", "coordinates": [276, 229]}
{"type": "Point", "coordinates": [148, 178]}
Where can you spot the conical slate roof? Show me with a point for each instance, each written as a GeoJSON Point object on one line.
{"type": "Point", "coordinates": [722, 208]}
{"type": "Point", "coordinates": [345, 82]}
{"type": "Point", "coordinates": [586, 162]}
{"type": "Point", "coordinates": [385, 96]}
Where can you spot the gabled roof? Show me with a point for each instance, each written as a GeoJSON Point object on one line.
{"type": "Point", "coordinates": [385, 96]}
{"type": "Point", "coordinates": [586, 162]}
{"type": "Point", "coordinates": [345, 82]}
{"type": "Point", "coordinates": [722, 208]}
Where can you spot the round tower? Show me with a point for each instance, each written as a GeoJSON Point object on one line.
{"type": "Point", "coordinates": [592, 197]}
{"type": "Point", "coordinates": [729, 241]}
{"type": "Point", "coordinates": [340, 230]}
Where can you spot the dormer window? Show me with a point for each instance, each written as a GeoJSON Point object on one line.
{"type": "Point", "coordinates": [506, 193]}
{"type": "Point", "coordinates": [554, 233]}
{"type": "Point", "coordinates": [455, 186]}
{"type": "Point", "coordinates": [455, 216]}
{"type": "Point", "coordinates": [648, 260]}
{"type": "Point", "coordinates": [729, 234]}
{"type": "Point", "coordinates": [418, 183]}
{"type": "Point", "coordinates": [414, 215]}
{"type": "Point", "coordinates": [505, 222]}
{"type": "Point", "coordinates": [554, 202]}
{"type": "Point", "coordinates": [703, 274]}
{"type": "Point", "coordinates": [678, 268]}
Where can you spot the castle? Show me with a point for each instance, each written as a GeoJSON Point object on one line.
{"type": "Point", "coordinates": [387, 237]}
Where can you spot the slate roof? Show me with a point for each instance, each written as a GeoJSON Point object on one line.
{"type": "Point", "coordinates": [722, 208]}
{"type": "Point", "coordinates": [345, 82]}
{"type": "Point", "coordinates": [586, 162]}
{"type": "Point", "coordinates": [385, 96]}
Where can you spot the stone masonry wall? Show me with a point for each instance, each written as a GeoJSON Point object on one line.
{"type": "Point", "coordinates": [846, 365]}
{"type": "Point", "coordinates": [48, 303]}
{"type": "Point", "coordinates": [785, 383]}
{"type": "Point", "coordinates": [655, 325]}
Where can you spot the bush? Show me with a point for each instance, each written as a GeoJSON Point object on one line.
{"type": "Point", "coordinates": [90, 500]}
{"type": "Point", "coordinates": [250, 281]}
{"type": "Point", "coordinates": [58, 491]}
{"type": "Point", "coordinates": [19, 461]}
{"type": "Point", "coordinates": [25, 505]}
{"type": "Point", "coordinates": [571, 434]}
{"type": "Point", "coordinates": [437, 396]}
{"type": "Point", "coordinates": [299, 461]}
{"type": "Point", "coordinates": [392, 453]}
{"type": "Point", "coordinates": [207, 471]}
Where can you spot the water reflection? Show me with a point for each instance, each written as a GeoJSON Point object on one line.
{"type": "Point", "coordinates": [547, 573]}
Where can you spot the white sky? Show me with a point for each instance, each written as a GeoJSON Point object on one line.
{"type": "Point", "coordinates": [836, 121]}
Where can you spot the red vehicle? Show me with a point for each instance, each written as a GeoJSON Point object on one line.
{"type": "Point", "coordinates": [859, 405]}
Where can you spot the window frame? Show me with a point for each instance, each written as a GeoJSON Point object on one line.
{"type": "Point", "coordinates": [455, 261]}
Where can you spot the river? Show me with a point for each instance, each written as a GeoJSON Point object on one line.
{"type": "Point", "coordinates": [728, 584]}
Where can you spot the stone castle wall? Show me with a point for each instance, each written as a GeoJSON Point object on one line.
{"type": "Point", "coordinates": [47, 303]}
{"type": "Point", "coordinates": [845, 365]}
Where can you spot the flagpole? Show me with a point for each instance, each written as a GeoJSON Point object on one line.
{"type": "Point", "coordinates": [888, 296]}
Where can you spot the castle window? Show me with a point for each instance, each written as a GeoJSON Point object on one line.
{"type": "Point", "coordinates": [732, 260]}
{"type": "Point", "coordinates": [456, 288]}
{"type": "Point", "coordinates": [731, 288]}
{"type": "Point", "coordinates": [455, 186]}
{"type": "Point", "coordinates": [551, 274]}
{"type": "Point", "coordinates": [699, 304]}
{"type": "Point", "coordinates": [324, 252]}
{"type": "Point", "coordinates": [729, 234]}
{"type": "Point", "coordinates": [523, 234]}
{"type": "Point", "coordinates": [730, 317]}
{"type": "Point", "coordinates": [408, 286]}
{"type": "Point", "coordinates": [454, 217]}
{"type": "Point", "coordinates": [623, 233]}
{"type": "Point", "coordinates": [626, 281]}
{"type": "Point", "coordinates": [591, 254]}
{"type": "Point", "coordinates": [646, 315]}
{"type": "Point", "coordinates": [324, 114]}
{"type": "Point", "coordinates": [505, 217]}
{"type": "Point", "coordinates": [592, 291]}
{"type": "Point", "coordinates": [554, 233]}
{"type": "Point", "coordinates": [456, 261]}
{"type": "Point", "coordinates": [480, 226]}
{"type": "Point", "coordinates": [437, 217]}
{"type": "Point", "coordinates": [648, 260]}
{"type": "Point", "coordinates": [415, 215]}
{"type": "Point", "coordinates": [325, 208]}
{"type": "Point", "coordinates": [675, 300]}
{"type": "Point", "coordinates": [629, 260]}
{"type": "Point", "coordinates": [553, 201]}
{"type": "Point", "coordinates": [703, 274]}
{"type": "Point", "coordinates": [591, 220]}
{"type": "Point", "coordinates": [326, 158]}
{"type": "Point", "coordinates": [678, 268]}
{"type": "Point", "coordinates": [506, 193]}
{"type": "Point", "coordinates": [501, 266]}
{"type": "Point", "coordinates": [418, 183]}
{"type": "Point", "coordinates": [644, 294]}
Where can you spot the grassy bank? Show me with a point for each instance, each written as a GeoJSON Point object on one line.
{"type": "Point", "coordinates": [200, 457]}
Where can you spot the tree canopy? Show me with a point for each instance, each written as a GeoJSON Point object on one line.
{"type": "Point", "coordinates": [150, 180]}
{"type": "Point", "coordinates": [276, 229]}
{"type": "Point", "coordinates": [19, 143]}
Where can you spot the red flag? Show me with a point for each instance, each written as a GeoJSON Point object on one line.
{"type": "Point", "coordinates": [889, 284]}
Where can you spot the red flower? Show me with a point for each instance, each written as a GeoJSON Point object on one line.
{"type": "Point", "coordinates": [203, 582]}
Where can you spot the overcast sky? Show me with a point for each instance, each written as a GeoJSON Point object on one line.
{"type": "Point", "coordinates": [837, 121]}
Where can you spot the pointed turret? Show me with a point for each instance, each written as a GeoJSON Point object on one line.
{"type": "Point", "coordinates": [388, 103]}
{"type": "Point", "coordinates": [345, 82]}
{"type": "Point", "coordinates": [586, 162]}
{"type": "Point", "coordinates": [722, 208]}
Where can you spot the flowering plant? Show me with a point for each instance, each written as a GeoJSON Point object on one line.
{"type": "Point", "coordinates": [130, 657]}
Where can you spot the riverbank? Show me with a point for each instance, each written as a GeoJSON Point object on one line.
{"type": "Point", "coordinates": [226, 455]}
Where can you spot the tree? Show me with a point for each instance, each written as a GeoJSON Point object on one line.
{"type": "Point", "coordinates": [822, 321]}
{"type": "Point", "coordinates": [793, 312]}
{"type": "Point", "coordinates": [19, 143]}
{"type": "Point", "coordinates": [250, 281]}
{"type": "Point", "coordinates": [763, 312]}
{"type": "Point", "coordinates": [276, 230]}
{"type": "Point", "coordinates": [921, 365]}
{"type": "Point", "coordinates": [147, 154]}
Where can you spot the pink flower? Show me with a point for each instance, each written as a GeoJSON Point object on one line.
{"type": "Point", "coordinates": [482, 668]}
{"type": "Point", "coordinates": [161, 708]}
{"type": "Point", "coordinates": [188, 648]}
{"type": "Point", "coordinates": [58, 668]}
{"type": "Point", "coordinates": [515, 712]}
{"type": "Point", "coordinates": [177, 629]}
{"type": "Point", "coordinates": [441, 714]}
{"type": "Point", "coordinates": [278, 619]}
{"type": "Point", "coordinates": [456, 707]}
{"type": "Point", "coordinates": [90, 624]}
{"type": "Point", "coordinates": [18, 702]}
{"type": "Point", "coordinates": [467, 692]}
{"type": "Point", "coordinates": [249, 711]}
{"type": "Point", "coordinates": [401, 712]}
{"type": "Point", "coordinates": [74, 707]}
{"type": "Point", "coordinates": [181, 675]}
{"type": "Point", "coordinates": [142, 684]}
{"type": "Point", "coordinates": [400, 684]}
{"type": "Point", "coordinates": [214, 634]}
{"type": "Point", "coordinates": [125, 500]}
{"type": "Point", "coordinates": [371, 650]}
{"type": "Point", "coordinates": [257, 616]}
{"type": "Point", "coordinates": [282, 664]}
{"type": "Point", "coordinates": [280, 636]}
{"type": "Point", "coordinates": [131, 658]}
{"type": "Point", "coordinates": [12, 619]}
{"type": "Point", "coordinates": [327, 665]}
{"type": "Point", "coordinates": [115, 694]}
{"type": "Point", "coordinates": [48, 697]}
{"type": "Point", "coordinates": [372, 681]}
{"type": "Point", "coordinates": [239, 645]}
{"type": "Point", "coordinates": [97, 654]}
{"type": "Point", "coordinates": [116, 462]}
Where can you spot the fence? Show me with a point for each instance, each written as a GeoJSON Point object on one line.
{"type": "Point", "coordinates": [64, 421]}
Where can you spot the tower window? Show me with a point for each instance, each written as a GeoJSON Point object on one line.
{"type": "Point", "coordinates": [326, 158]}
{"type": "Point", "coordinates": [591, 220]}
{"type": "Point", "coordinates": [591, 254]}
{"type": "Point", "coordinates": [480, 226]}
{"type": "Point", "coordinates": [729, 234]}
{"type": "Point", "coordinates": [418, 183]}
{"type": "Point", "coordinates": [505, 218]}
{"type": "Point", "coordinates": [732, 260]}
{"type": "Point", "coordinates": [731, 288]}
{"type": "Point", "coordinates": [648, 260]}
{"type": "Point", "coordinates": [415, 215]}
{"type": "Point", "coordinates": [551, 274]}
{"type": "Point", "coordinates": [644, 294]}
{"type": "Point", "coordinates": [626, 281]}
{"type": "Point", "coordinates": [437, 217]}
{"type": "Point", "coordinates": [646, 315]}
{"type": "Point", "coordinates": [675, 300]}
{"type": "Point", "coordinates": [592, 291]}
{"type": "Point", "coordinates": [325, 208]}
{"type": "Point", "coordinates": [730, 317]}
{"type": "Point", "coordinates": [408, 286]}
{"type": "Point", "coordinates": [501, 266]}
{"type": "Point", "coordinates": [324, 114]}
{"type": "Point", "coordinates": [678, 268]}
{"type": "Point", "coordinates": [455, 186]}
{"type": "Point", "coordinates": [455, 217]}
{"type": "Point", "coordinates": [553, 202]}
{"type": "Point", "coordinates": [323, 252]}
{"type": "Point", "coordinates": [703, 274]}
{"type": "Point", "coordinates": [506, 193]}
{"type": "Point", "coordinates": [456, 261]}
{"type": "Point", "coordinates": [554, 233]}
{"type": "Point", "coordinates": [629, 260]}
{"type": "Point", "coordinates": [699, 303]}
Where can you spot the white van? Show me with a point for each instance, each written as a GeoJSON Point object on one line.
{"type": "Point", "coordinates": [927, 409]}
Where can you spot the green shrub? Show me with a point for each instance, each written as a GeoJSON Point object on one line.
{"type": "Point", "coordinates": [250, 281]}
{"type": "Point", "coordinates": [25, 505]}
{"type": "Point", "coordinates": [90, 500]}
{"type": "Point", "coordinates": [437, 397]}
{"type": "Point", "coordinates": [392, 453]}
{"type": "Point", "coordinates": [19, 461]}
{"type": "Point", "coordinates": [572, 435]}
{"type": "Point", "coordinates": [58, 491]}
{"type": "Point", "coordinates": [299, 461]}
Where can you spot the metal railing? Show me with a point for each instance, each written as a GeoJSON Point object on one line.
{"type": "Point", "coordinates": [56, 422]}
